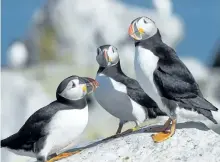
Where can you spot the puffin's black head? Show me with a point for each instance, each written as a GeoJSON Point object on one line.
{"type": "Point", "coordinates": [75, 88]}
{"type": "Point", "coordinates": [107, 55]}
{"type": "Point", "coordinates": [142, 28]}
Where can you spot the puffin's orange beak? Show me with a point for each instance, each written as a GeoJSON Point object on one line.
{"type": "Point", "coordinates": [105, 55]}
{"type": "Point", "coordinates": [91, 85]}
{"type": "Point", "coordinates": [132, 33]}
{"type": "Point", "coordinates": [130, 29]}
{"type": "Point", "coordinates": [108, 59]}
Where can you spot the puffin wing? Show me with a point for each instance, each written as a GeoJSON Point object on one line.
{"type": "Point", "coordinates": [173, 78]}
{"type": "Point", "coordinates": [32, 134]}
{"type": "Point", "coordinates": [175, 82]}
{"type": "Point", "coordinates": [136, 93]}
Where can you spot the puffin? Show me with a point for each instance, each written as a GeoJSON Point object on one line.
{"type": "Point", "coordinates": [165, 78]}
{"type": "Point", "coordinates": [56, 125]}
{"type": "Point", "coordinates": [120, 95]}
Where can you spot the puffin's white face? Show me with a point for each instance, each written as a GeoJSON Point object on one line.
{"type": "Point", "coordinates": [78, 88]}
{"type": "Point", "coordinates": [142, 28]}
{"type": "Point", "coordinates": [74, 90]}
{"type": "Point", "coordinates": [107, 55]}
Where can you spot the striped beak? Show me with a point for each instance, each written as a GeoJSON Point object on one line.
{"type": "Point", "coordinates": [131, 32]}
{"type": "Point", "coordinates": [107, 58]}
{"type": "Point", "coordinates": [91, 85]}
{"type": "Point", "coordinates": [134, 32]}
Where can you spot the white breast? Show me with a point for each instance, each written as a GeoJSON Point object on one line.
{"type": "Point", "coordinates": [64, 128]}
{"type": "Point", "coordinates": [112, 96]}
{"type": "Point", "coordinates": [145, 64]}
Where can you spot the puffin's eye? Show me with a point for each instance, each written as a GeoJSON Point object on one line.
{"type": "Point", "coordinates": [73, 85]}
{"type": "Point", "coordinates": [145, 21]}
{"type": "Point", "coordinates": [113, 50]}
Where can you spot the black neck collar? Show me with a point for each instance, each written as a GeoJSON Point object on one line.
{"type": "Point", "coordinates": [77, 104]}
{"type": "Point", "coordinates": [115, 72]}
{"type": "Point", "coordinates": [111, 70]}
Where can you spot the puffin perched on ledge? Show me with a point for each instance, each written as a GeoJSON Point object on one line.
{"type": "Point", "coordinates": [165, 78]}
{"type": "Point", "coordinates": [55, 126]}
{"type": "Point", "coordinates": [119, 94]}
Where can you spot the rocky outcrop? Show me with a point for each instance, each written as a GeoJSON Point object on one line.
{"type": "Point", "coordinates": [191, 142]}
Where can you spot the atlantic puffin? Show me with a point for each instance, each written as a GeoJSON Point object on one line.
{"type": "Point", "coordinates": [53, 127]}
{"type": "Point", "coordinates": [165, 78]}
{"type": "Point", "coordinates": [119, 94]}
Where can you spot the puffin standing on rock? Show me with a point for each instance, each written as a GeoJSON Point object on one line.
{"type": "Point", "coordinates": [119, 94]}
{"type": "Point", "coordinates": [165, 78]}
{"type": "Point", "coordinates": [55, 126]}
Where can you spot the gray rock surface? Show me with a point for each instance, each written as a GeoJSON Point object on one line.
{"type": "Point", "coordinates": [192, 142]}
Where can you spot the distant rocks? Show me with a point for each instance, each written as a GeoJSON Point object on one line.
{"type": "Point", "coordinates": [17, 55]}
{"type": "Point", "coordinates": [81, 28]}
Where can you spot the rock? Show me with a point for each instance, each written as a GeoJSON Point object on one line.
{"type": "Point", "coordinates": [191, 142]}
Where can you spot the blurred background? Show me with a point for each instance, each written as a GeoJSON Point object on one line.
{"type": "Point", "coordinates": [45, 41]}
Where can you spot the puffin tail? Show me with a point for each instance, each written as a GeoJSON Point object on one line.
{"type": "Point", "coordinates": [8, 142]}
{"type": "Point", "coordinates": [201, 105]}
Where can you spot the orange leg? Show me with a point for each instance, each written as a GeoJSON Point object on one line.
{"type": "Point", "coordinates": [63, 155]}
{"type": "Point", "coordinates": [162, 136]}
{"type": "Point", "coordinates": [166, 125]}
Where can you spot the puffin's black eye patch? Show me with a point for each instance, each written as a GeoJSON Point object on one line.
{"type": "Point", "coordinates": [145, 21]}
{"type": "Point", "coordinates": [97, 51]}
